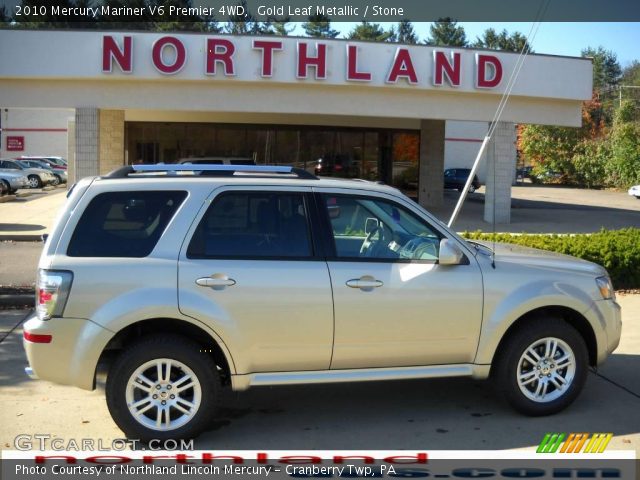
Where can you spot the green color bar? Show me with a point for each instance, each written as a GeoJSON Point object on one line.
{"type": "Point", "coordinates": [551, 442]}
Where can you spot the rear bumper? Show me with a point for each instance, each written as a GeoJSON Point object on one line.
{"type": "Point", "coordinates": [70, 358]}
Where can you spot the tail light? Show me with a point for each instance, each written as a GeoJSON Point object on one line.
{"type": "Point", "coordinates": [52, 291]}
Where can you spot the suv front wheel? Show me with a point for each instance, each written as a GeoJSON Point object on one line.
{"type": "Point", "coordinates": [162, 387]}
{"type": "Point", "coordinates": [543, 367]}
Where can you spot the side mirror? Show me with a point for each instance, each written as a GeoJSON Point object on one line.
{"type": "Point", "coordinates": [450, 253]}
{"type": "Point", "coordinates": [370, 225]}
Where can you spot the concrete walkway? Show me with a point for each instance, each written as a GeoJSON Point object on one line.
{"type": "Point", "coordinates": [29, 216]}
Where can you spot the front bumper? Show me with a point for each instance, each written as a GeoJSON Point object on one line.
{"type": "Point", "coordinates": [73, 353]}
{"type": "Point", "coordinates": [607, 315]}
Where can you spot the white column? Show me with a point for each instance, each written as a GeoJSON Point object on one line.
{"type": "Point", "coordinates": [501, 169]}
{"type": "Point", "coordinates": [431, 179]}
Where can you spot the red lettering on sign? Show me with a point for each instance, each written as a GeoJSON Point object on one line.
{"type": "Point", "coordinates": [402, 67]}
{"type": "Point", "coordinates": [489, 71]}
{"type": "Point", "coordinates": [352, 66]}
{"type": "Point", "coordinates": [442, 67]}
{"type": "Point", "coordinates": [111, 51]}
{"type": "Point", "coordinates": [319, 61]}
{"type": "Point", "coordinates": [267, 48]}
{"type": "Point", "coordinates": [180, 55]}
{"type": "Point", "coordinates": [220, 50]}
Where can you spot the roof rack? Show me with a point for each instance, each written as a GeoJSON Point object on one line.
{"type": "Point", "coordinates": [210, 170]}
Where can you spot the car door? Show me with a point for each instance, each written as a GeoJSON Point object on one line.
{"type": "Point", "coordinates": [251, 271]}
{"type": "Point", "coordinates": [394, 304]}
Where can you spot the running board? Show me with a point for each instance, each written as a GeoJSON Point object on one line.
{"type": "Point", "coordinates": [243, 382]}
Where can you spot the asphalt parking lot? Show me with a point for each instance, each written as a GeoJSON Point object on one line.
{"type": "Point", "coordinates": [431, 414]}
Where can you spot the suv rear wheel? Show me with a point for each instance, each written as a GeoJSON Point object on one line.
{"type": "Point", "coordinates": [162, 387]}
{"type": "Point", "coordinates": [543, 367]}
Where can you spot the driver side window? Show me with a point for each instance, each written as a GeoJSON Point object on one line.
{"type": "Point", "coordinates": [369, 228]}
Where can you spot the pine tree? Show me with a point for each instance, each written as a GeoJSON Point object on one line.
{"type": "Point", "coordinates": [369, 31]}
{"type": "Point", "coordinates": [446, 32]}
{"type": "Point", "coordinates": [513, 42]}
{"type": "Point", "coordinates": [319, 26]}
{"type": "Point", "coordinates": [406, 33]}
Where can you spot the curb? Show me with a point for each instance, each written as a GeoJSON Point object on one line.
{"type": "Point", "coordinates": [21, 237]}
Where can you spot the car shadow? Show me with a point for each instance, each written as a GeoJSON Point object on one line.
{"type": "Point", "coordinates": [20, 227]}
{"type": "Point", "coordinates": [453, 413]}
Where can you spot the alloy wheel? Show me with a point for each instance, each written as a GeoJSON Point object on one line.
{"type": "Point", "coordinates": [546, 370]}
{"type": "Point", "coordinates": [163, 394]}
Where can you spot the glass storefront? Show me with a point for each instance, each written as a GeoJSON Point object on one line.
{"type": "Point", "coordinates": [391, 156]}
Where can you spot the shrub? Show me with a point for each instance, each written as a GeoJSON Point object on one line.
{"type": "Point", "coordinates": [616, 250]}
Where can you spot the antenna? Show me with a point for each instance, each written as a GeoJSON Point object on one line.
{"type": "Point", "coordinates": [533, 31]}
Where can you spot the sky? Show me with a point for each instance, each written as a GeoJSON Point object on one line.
{"type": "Point", "coordinates": [554, 38]}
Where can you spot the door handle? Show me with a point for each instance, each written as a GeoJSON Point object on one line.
{"type": "Point", "coordinates": [365, 283]}
{"type": "Point", "coordinates": [217, 281]}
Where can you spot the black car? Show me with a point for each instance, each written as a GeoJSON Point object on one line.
{"type": "Point", "coordinates": [456, 178]}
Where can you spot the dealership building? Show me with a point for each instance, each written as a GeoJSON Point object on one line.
{"type": "Point", "coordinates": [378, 111]}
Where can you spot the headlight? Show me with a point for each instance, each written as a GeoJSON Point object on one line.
{"type": "Point", "coordinates": [606, 288]}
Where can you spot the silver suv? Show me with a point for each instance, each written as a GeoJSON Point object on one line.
{"type": "Point", "coordinates": [188, 281]}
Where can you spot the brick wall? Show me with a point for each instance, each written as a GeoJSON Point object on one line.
{"type": "Point", "coordinates": [111, 140]}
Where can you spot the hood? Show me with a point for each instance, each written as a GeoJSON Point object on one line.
{"type": "Point", "coordinates": [510, 253]}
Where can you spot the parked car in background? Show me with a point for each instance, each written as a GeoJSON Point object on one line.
{"type": "Point", "coordinates": [456, 179]}
{"type": "Point", "coordinates": [635, 191]}
{"type": "Point", "coordinates": [13, 180]}
{"type": "Point", "coordinates": [57, 161]}
{"type": "Point", "coordinates": [4, 189]}
{"type": "Point", "coordinates": [38, 177]}
{"type": "Point", "coordinates": [59, 173]}
{"type": "Point", "coordinates": [524, 172]}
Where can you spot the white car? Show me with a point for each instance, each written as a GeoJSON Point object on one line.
{"type": "Point", "coordinates": [635, 191]}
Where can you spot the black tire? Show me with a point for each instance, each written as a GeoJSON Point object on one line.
{"type": "Point", "coordinates": [35, 181]}
{"type": "Point", "coordinates": [147, 349]}
{"type": "Point", "coordinates": [5, 188]}
{"type": "Point", "coordinates": [472, 189]}
{"type": "Point", "coordinates": [57, 180]}
{"type": "Point", "coordinates": [506, 364]}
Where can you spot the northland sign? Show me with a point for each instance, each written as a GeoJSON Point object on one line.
{"type": "Point", "coordinates": [263, 77]}
{"type": "Point", "coordinates": [220, 56]}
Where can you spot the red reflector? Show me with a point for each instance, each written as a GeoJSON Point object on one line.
{"type": "Point", "coordinates": [36, 338]}
{"type": "Point", "coordinates": [45, 296]}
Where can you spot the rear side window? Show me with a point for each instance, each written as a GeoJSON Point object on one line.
{"type": "Point", "coordinates": [253, 225]}
{"type": "Point", "coordinates": [124, 224]}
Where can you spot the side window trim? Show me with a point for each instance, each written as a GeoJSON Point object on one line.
{"type": "Point", "coordinates": [218, 193]}
{"type": "Point", "coordinates": [329, 240]}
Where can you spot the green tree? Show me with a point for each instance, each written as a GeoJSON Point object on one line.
{"type": "Point", "coordinates": [606, 68]}
{"type": "Point", "coordinates": [369, 31]}
{"type": "Point", "coordinates": [513, 42]}
{"type": "Point", "coordinates": [245, 23]}
{"type": "Point", "coordinates": [631, 74]}
{"type": "Point", "coordinates": [4, 17]}
{"type": "Point", "coordinates": [623, 167]}
{"type": "Point", "coordinates": [405, 33]}
{"type": "Point", "coordinates": [447, 32]}
{"type": "Point", "coordinates": [319, 26]}
{"type": "Point", "coordinates": [277, 26]}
